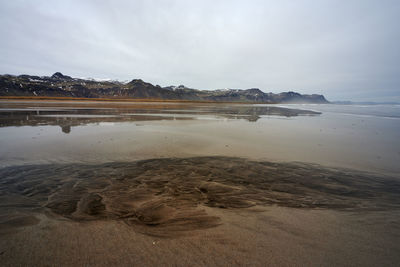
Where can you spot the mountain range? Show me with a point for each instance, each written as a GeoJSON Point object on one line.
{"type": "Point", "coordinates": [59, 85]}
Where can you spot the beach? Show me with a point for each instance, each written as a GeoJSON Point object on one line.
{"type": "Point", "coordinates": [197, 184]}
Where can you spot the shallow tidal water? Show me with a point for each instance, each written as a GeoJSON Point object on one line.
{"type": "Point", "coordinates": [362, 138]}
{"type": "Point", "coordinates": [173, 183]}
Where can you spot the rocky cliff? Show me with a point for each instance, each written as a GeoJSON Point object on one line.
{"type": "Point", "coordinates": [59, 85]}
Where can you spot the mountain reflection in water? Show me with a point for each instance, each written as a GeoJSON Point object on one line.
{"type": "Point", "coordinates": [67, 115]}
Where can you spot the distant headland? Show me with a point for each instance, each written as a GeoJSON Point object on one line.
{"type": "Point", "coordinates": [59, 85]}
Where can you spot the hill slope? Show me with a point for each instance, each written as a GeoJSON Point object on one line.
{"type": "Point", "coordinates": [59, 85]}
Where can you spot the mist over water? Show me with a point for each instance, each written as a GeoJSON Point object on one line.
{"type": "Point", "coordinates": [373, 110]}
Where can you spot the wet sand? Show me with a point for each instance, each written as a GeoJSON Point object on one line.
{"type": "Point", "coordinates": [274, 237]}
{"type": "Point", "coordinates": [155, 184]}
{"type": "Point", "coordinates": [54, 132]}
{"type": "Point", "coordinates": [203, 210]}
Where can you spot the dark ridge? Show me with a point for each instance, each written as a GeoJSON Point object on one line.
{"type": "Point", "coordinates": [59, 75]}
{"type": "Point", "coordinates": [59, 85]}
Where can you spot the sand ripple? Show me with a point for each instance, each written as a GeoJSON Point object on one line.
{"type": "Point", "coordinates": [164, 197]}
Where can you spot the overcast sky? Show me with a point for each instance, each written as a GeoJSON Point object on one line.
{"type": "Point", "coordinates": [346, 50]}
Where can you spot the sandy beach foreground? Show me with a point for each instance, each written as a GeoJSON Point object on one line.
{"type": "Point", "coordinates": [197, 211]}
{"type": "Point", "coordinates": [184, 184]}
{"type": "Point", "coordinates": [275, 237]}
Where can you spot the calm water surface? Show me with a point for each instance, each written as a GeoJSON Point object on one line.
{"type": "Point", "coordinates": [359, 137]}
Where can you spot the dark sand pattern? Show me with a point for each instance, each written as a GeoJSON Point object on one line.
{"type": "Point", "coordinates": [164, 197]}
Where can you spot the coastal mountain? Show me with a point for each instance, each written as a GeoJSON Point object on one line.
{"type": "Point", "coordinates": [59, 85]}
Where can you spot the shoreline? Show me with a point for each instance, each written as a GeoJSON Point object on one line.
{"type": "Point", "coordinates": [82, 99]}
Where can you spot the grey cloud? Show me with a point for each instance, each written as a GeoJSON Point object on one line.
{"type": "Point", "coordinates": [343, 49]}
